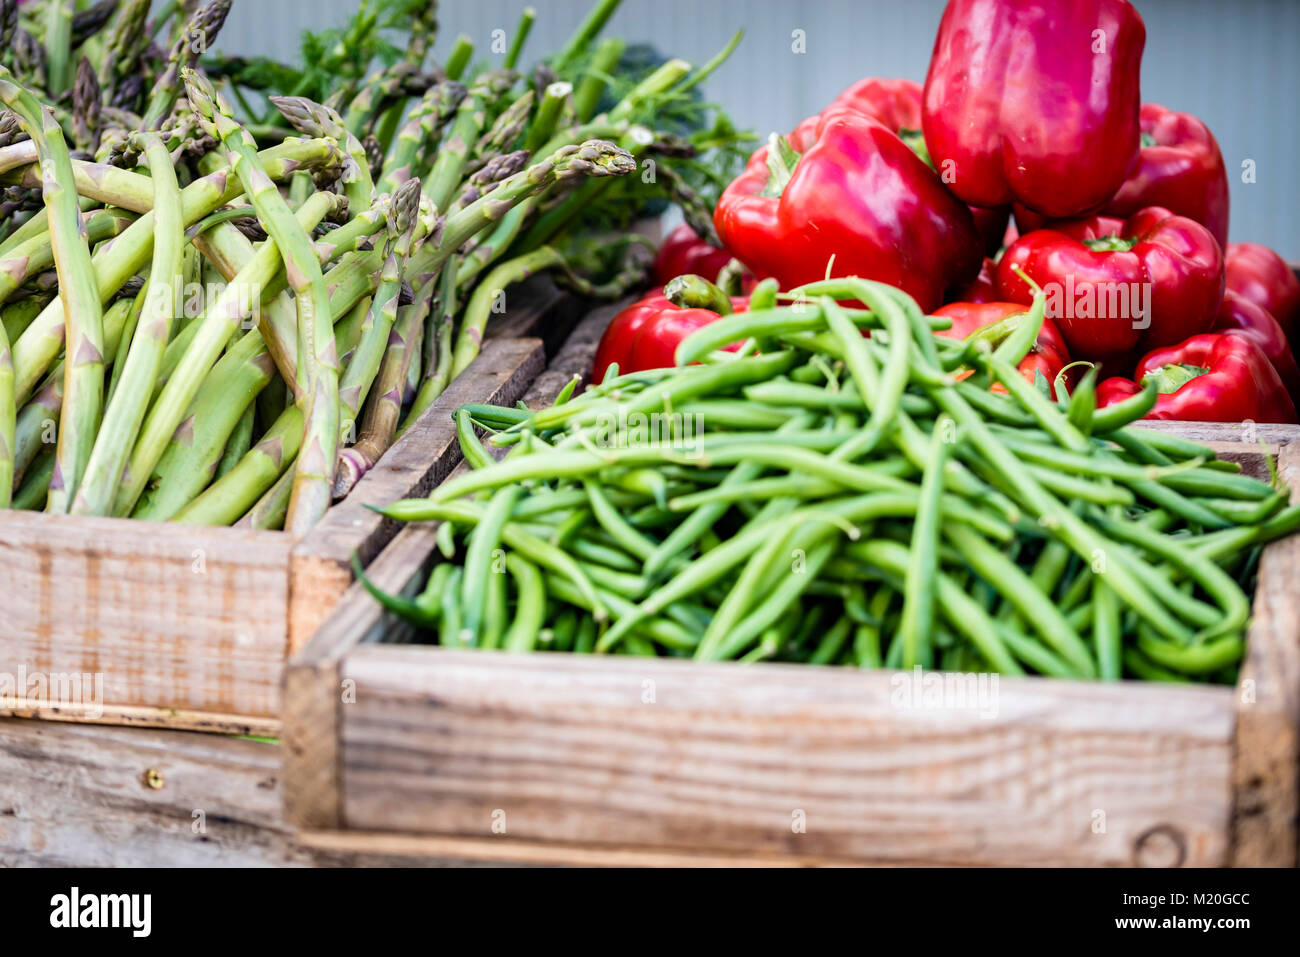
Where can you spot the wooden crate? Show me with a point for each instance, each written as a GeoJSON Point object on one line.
{"type": "Point", "coordinates": [396, 747]}
{"type": "Point", "coordinates": [191, 627]}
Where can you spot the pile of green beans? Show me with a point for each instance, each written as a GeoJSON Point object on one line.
{"type": "Point", "coordinates": [827, 497]}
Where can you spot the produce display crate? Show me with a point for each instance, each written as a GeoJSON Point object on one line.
{"type": "Point", "coordinates": [191, 627]}
{"type": "Point", "coordinates": [557, 758]}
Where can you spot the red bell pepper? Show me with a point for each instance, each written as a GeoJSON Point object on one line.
{"type": "Point", "coordinates": [897, 104]}
{"type": "Point", "coordinates": [1048, 356]}
{"type": "Point", "coordinates": [1035, 101]}
{"type": "Point", "coordinates": [1115, 286]}
{"type": "Point", "coordinates": [1180, 168]}
{"type": "Point", "coordinates": [1208, 378]}
{"type": "Point", "coordinates": [683, 252]}
{"type": "Point", "coordinates": [983, 288]}
{"type": "Point", "coordinates": [1239, 316]}
{"type": "Point", "coordinates": [645, 334]}
{"type": "Point", "coordinates": [848, 194]}
{"type": "Point", "coordinates": [1263, 277]}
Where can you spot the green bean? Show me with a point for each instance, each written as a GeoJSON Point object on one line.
{"type": "Point", "coordinates": [670, 634]}
{"type": "Point", "coordinates": [764, 324]}
{"type": "Point", "coordinates": [963, 612]}
{"type": "Point", "coordinates": [1045, 412]}
{"type": "Point", "coordinates": [1232, 602]}
{"type": "Point", "coordinates": [1017, 587]}
{"type": "Point", "coordinates": [1033, 653]}
{"type": "Point", "coordinates": [1198, 659]}
{"type": "Point", "coordinates": [923, 564]}
{"type": "Point", "coordinates": [744, 593]}
{"type": "Point", "coordinates": [404, 608]}
{"type": "Point", "coordinates": [483, 542]}
{"type": "Point", "coordinates": [1127, 411]}
{"type": "Point", "coordinates": [1106, 632]}
{"type": "Point", "coordinates": [530, 608]}
{"type": "Point", "coordinates": [430, 599]}
{"type": "Point", "coordinates": [585, 640]}
{"type": "Point", "coordinates": [1142, 666]}
{"type": "Point", "coordinates": [450, 632]}
{"type": "Point", "coordinates": [566, 629]}
{"type": "Point", "coordinates": [496, 614]}
{"type": "Point", "coordinates": [881, 392]}
{"type": "Point", "coordinates": [1085, 542]}
{"type": "Point", "coordinates": [628, 538]}
{"type": "Point", "coordinates": [476, 456]}
{"type": "Point", "coordinates": [829, 648]}
{"type": "Point", "coordinates": [770, 610]}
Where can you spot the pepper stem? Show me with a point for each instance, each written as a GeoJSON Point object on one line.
{"type": "Point", "coordinates": [1172, 377]}
{"type": "Point", "coordinates": [696, 292]}
{"type": "Point", "coordinates": [1110, 244]}
{"type": "Point", "coordinates": [915, 141]}
{"type": "Point", "coordinates": [781, 161]}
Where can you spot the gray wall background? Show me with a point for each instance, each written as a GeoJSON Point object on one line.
{"type": "Point", "coordinates": [1234, 63]}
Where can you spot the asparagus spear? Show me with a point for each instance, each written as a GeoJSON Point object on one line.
{"type": "Point", "coordinates": [385, 407]}
{"type": "Point", "coordinates": [83, 387]}
{"type": "Point", "coordinates": [8, 23]}
{"type": "Point", "coordinates": [199, 33]}
{"type": "Point", "coordinates": [434, 110]}
{"type": "Point", "coordinates": [38, 419]}
{"type": "Point", "coordinates": [317, 354]}
{"type": "Point", "coordinates": [471, 117]}
{"type": "Point", "coordinates": [91, 20]}
{"type": "Point", "coordinates": [29, 259]}
{"type": "Point", "coordinates": [58, 45]}
{"type": "Point", "coordinates": [314, 119]}
{"type": "Point", "coordinates": [8, 420]}
{"type": "Point", "coordinates": [587, 31]}
{"type": "Point", "coordinates": [360, 373]}
{"type": "Point", "coordinates": [125, 43]}
{"type": "Point", "coordinates": [125, 412]}
{"type": "Point", "coordinates": [234, 493]}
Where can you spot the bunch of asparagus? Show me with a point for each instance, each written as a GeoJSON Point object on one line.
{"type": "Point", "coordinates": [218, 319]}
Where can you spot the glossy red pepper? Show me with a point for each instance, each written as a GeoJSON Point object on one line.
{"type": "Point", "coordinates": [1116, 286]}
{"type": "Point", "coordinates": [1049, 355]}
{"type": "Point", "coordinates": [897, 104]}
{"type": "Point", "coordinates": [1035, 101]}
{"type": "Point", "coordinates": [1208, 378]}
{"type": "Point", "coordinates": [858, 200]}
{"type": "Point", "coordinates": [1263, 277]}
{"type": "Point", "coordinates": [1180, 168]}
{"type": "Point", "coordinates": [983, 288]}
{"type": "Point", "coordinates": [645, 334]}
{"type": "Point", "coordinates": [684, 252]}
{"type": "Point", "coordinates": [1239, 316]}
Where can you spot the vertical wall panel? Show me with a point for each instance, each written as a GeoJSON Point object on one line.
{"type": "Point", "coordinates": [1235, 63]}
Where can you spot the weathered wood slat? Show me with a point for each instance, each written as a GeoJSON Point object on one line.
{"type": "Point", "coordinates": [89, 796]}
{"type": "Point", "coordinates": [1266, 769]}
{"type": "Point", "coordinates": [570, 749]}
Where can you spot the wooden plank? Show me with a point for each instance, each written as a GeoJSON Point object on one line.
{"type": "Point", "coordinates": [90, 796]}
{"type": "Point", "coordinates": [368, 849]}
{"type": "Point", "coordinates": [321, 564]}
{"type": "Point", "coordinates": [574, 358]}
{"type": "Point", "coordinates": [548, 313]}
{"type": "Point", "coordinates": [571, 749]}
{"type": "Point", "coordinates": [160, 615]}
{"type": "Point", "coordinates": [1266, 771]}
{"type": "Point", "coordinates": [314, 692]}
